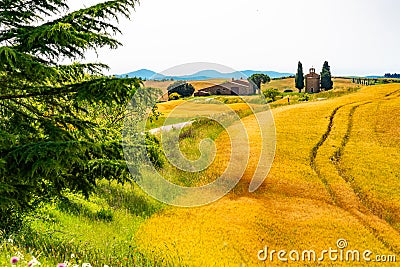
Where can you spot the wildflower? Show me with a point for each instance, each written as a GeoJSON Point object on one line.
{"type": "Point", "coordinates": [14, 260]}
{"type": "Point", "coordinates": [33, 262]}
{"type": "Point", "coordinates": [61, 265]}
{"type": "Point", "coordinates": [20, 255]}
{"type": "Point", "coordinates": [10, 240]}
{"type": "Point", "coordinates": [86, 265]}
{"type": "Point", "coordinates": [72, 255]}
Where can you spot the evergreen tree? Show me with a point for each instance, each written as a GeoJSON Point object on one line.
{"type": "Point", "coordinates": [299, 80]}
{"type": "Point", "coordinates": [60, 123]}
{"type": "Point", "coordinates": [326, 77]}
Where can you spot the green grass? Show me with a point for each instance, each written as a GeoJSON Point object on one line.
{"type": "Point", "coordinates": [98, 231]}
{"type": "Point", "coordinates": [189, 140]}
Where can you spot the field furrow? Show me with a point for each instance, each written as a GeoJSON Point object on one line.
{"type": "Point", "coordinates": [344, 193]}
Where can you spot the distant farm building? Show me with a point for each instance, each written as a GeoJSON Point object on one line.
{"type": "Point", "coordinates": [234, 87]}
{"type": "Point", "coordinates": [313, 82]}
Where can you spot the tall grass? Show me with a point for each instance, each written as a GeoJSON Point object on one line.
{"type": "Point", "coordinates": [99, 231]}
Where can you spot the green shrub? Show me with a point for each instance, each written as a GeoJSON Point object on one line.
{"type": "Point", "coordinates": [271, 93]}
{"type": "Point", "coordinates": [229, 100]}
{"type": "Point", "coordinates": [105, 215]}
{"type": "Point", "coordinates": [182, 88]}
{"type": "Point", "coordinates": [174, 96]}
{"type": "Point", "coordinates": [305, 97]}
{"type": "Point", "coordinates": [187, 132]}
{"type": "Point", "coordinates": [154, 151]}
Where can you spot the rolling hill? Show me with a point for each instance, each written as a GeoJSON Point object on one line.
{"type": "Point", "coordinates": [201, 75]}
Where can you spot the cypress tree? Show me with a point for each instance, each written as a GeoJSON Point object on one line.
{"type": "Point", "coordinates": [326, 77]}
{"type": "Point", "coordinates": [299, 80]}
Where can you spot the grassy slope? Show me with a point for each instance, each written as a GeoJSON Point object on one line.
{"type": "Point", "coordinates": [305, 202]}
{"type": "Point", "coordinates": [98, 231]}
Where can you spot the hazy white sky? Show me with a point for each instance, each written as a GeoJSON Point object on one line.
{"type": "Point", "coordinates": [356, 36]}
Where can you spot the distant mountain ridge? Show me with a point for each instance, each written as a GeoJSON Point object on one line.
{"type": "Point", "coordinates": [201, 75]}
{"type": "Point", "coordinates": [374, 77]}
{"type": "Point", "coordinates": [143, 73]}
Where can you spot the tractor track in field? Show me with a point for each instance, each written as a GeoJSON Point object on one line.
{"type": "Point", "coordinates": [314, 153]}
{"type": "Point", "coordinates": [358, 206]}
{"type": "Point", "coordinates": [393, 93]}
{"type": "Point", "coordinates": [337, 159]}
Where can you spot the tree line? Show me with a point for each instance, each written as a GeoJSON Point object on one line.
{"type": "Point", "coordinates": [394, 75]}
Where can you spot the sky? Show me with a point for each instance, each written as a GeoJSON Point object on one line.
{"type": "Point", "coordinates": [356, 37]}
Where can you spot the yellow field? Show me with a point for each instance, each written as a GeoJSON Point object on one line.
{"type": "Point", "coordinates": [198, 85]}
{"type": "Point", "coordinates": [200, 109]}
{"type": "Point", "coordinates": [336, 175]}
{"type": "Point", "coordinates": [282, 85]}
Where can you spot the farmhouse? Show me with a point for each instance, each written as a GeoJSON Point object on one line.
{"type": "Point", "coordinates": [313, 82]}
{"type": "Point", "coordinates": [234, 87]}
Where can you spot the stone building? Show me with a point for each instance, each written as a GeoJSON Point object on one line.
{"type": "Point", "coordinates": [313, 82]}
{"type": "Point", "coordinates": [234, 87]}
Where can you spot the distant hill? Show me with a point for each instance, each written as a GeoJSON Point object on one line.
{"type": "Point", "coordinates": [202, 75]}
{"type": "Point", "coordinates": [143, 73]}
{"type": "Point", "coordinates": [272, 74]}
{"type": "Point", "coordinates": [374, 77]}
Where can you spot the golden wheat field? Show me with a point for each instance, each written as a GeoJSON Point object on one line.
{"type": "Point", "coordinates": [336, 175]}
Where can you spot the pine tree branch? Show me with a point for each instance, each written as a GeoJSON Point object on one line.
{"type": "Point", "coordinates": [60, 124]}
{"type": "Point", "coordinates": [15, 13]}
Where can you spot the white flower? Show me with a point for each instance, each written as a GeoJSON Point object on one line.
{"type": "Point", "coordinates": [10, 241]}
{"type": "Point", "coordinates": [20, 255]}
{"type": "Point", "coordinates": [33, 262]}
{"type": "Point", "coordinates": [86, 265]}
